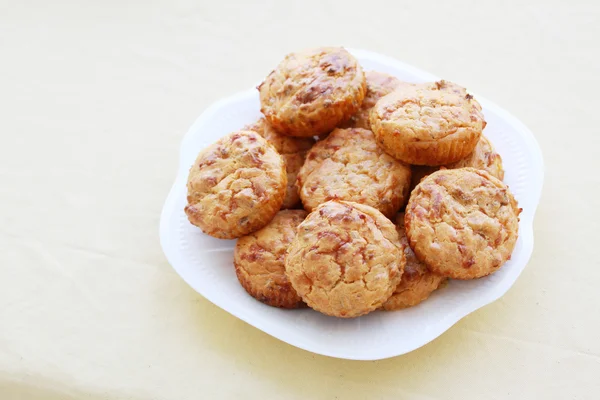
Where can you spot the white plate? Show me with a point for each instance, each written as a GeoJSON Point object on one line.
{"type": "Point", "coordinates": [206, 264]}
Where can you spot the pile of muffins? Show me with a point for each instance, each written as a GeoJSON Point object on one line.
{"type": "Point", "coordinates": [355, 191]}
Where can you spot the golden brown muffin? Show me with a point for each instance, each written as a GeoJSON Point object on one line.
{"type": "Point", "coordinates": [378, 85]}
{"type": "Point", "coordinates": [346, 259]}
{"type": "Point", "coordinates": [417, 281]}
{"type": "Point", "coordinates": [349, 165]}
{"type": "Point", "coordinates": [428, 124]}
{"type": "Point", "coordinates": [483, 157]}
{"type": "Point", "coordinates": [293, 151]}
{"type": "Point", "coordinates": [236, 186]}
{"type": "Point", "coordinates": [259, 261]}
{"type": "Point", "coordinates": [311, 92]}
{"type": "Point", "coordinates": [462, 223]}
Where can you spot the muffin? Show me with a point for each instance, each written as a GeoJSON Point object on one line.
{"type": "Point", "coordinates": [259, 261]}
{"type": "Point", "coordinates": [346, 259]}
{"type": "Point", "coordinates": [349, 166]}
{"type": "Point", "coordinates": [378, 85]}
{"type": "Point", "coordinates": [417, 281]}
{"type": "Point", "coordinates": [236, 186]}
{"type": "Point", "coordinates": [311, 92]}
{"type": "Point", "coordinates": [462, 223]}
{"type": "Point", "coordinates": [292, 150]}
{"type": "Point", "coordinates": [428, 124]}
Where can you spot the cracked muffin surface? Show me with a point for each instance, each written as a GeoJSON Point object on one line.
{"type": "Point", "coordinates": [417, 281]}
{"type": "Point", "coordinates": [346, 259]}
{"type": "Point", "coordinates": [293, 151]}
{"type": "Point", "coordinates": [235, 186]}
{"type": "Point", "coordinates": [349, 165]}
{"type": "Point", "coordinates": [310, 92]}
{"type": "Point", "coordinates": [462, 223]}
{"type": "Point", "coordinates": [379, 84]}
{"type": "Point", "coordinates": [428, 124]}
{"type": "Point", "coordinates": [259, 261]}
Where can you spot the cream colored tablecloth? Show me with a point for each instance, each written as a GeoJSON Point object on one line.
{"type": "Point", "coordinates": [94, 100]}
